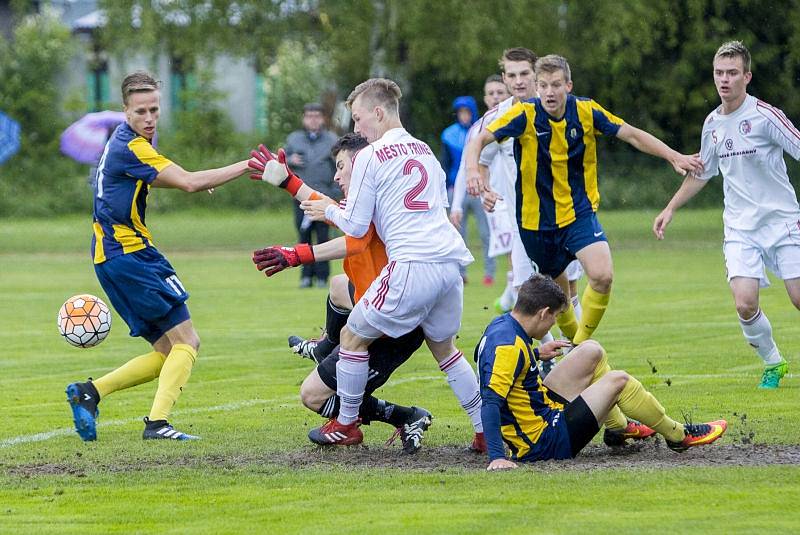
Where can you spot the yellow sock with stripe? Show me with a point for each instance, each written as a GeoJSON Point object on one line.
{"type": "Point", "coordinates": [616, 419]}
{"type": "Point", "coordinates": [593, 306]}
{"type": "Point", "coordinates": [568, 322]}
{"type": "Point", "coordinates": [174, 375]}
{"type": "Point", "coordinates": [641, 405]}
{"type": "Point", "coordinates": [136, 371]}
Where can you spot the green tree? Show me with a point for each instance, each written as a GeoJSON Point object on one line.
{"type": "Point", "coordinates": [39, 179]}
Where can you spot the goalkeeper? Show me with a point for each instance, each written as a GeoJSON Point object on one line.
{"type": "Point", "coordinates": [364, 258]}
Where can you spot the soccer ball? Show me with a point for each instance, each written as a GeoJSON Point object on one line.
{"type": "Point", "coordinates": [84, 320]}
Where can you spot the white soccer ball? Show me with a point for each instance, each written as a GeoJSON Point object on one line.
{"type": "Point", "coordinates": [84, 320]}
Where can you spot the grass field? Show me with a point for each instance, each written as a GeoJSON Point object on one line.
{"type": "Point", "coordinates": [671, 323]}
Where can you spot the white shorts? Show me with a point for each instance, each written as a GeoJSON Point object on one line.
{"type": "Point", "coordinates": [574, 270]}
{"type": "Point", "coordinates": [521, 266]}
{"type": "Point", "coordinates": [748, 253]}
{"type": "Point", "coordinates": [410, 294]}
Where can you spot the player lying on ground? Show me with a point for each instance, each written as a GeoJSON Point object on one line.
{"type": "Point", "coordinates": [556, 418]}
{"type": "Point", "coordinates": [364, 258]}
{"type": "Point", "coordinates": [140, 283]}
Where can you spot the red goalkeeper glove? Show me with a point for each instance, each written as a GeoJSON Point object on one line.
{"type": "Point", "coordinates": [273, 170]}
{"type": "Point", "coordinates": [275, 259]}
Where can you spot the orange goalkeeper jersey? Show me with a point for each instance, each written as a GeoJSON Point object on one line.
{"type": "Point", "coordinates": [366, 257]}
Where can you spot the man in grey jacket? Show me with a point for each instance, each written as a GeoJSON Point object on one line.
{"type": "Point", "coordinates": [308, 153]}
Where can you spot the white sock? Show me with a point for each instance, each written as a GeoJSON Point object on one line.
{"type": "Point", "coordinates": [352, 371]}
{"type": "Point", "coordinates": [758, 333]}
{"type": "Point", "coordinates": [576, 304]}
{"type": "Point", "coordinates": [509, 296]}
{"type": "Point", "coordinates": [463, 381]}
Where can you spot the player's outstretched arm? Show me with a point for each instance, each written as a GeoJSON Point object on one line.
{"type": "Point", "coordinates": [690, 187]}
{"type": "Point", "coordinates": [274, 259]}
{"type": "Point", "coordinates": [650, 144]}
{"type": "Point", "coordinates": [175, 176]}
{"type": "Point", "coordinates": [477, 183]}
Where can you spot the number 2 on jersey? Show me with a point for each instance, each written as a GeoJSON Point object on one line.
{"type": "Point", "coordinates": [410, 200]}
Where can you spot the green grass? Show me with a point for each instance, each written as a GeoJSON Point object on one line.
{"type": "Point", "coordinates": [671, 311]}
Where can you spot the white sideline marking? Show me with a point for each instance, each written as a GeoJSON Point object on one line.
{"type": "Point", "coordinates": [47, 435]}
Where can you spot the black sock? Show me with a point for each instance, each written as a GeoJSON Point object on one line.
{"type": "Point", "coordinates": [324, 348]}
{"type": "Point", "coordinates": [335, 319]}
{"type": "Point", "coordinates": [385, 411]}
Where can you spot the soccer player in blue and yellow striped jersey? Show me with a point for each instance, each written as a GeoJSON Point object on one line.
{"type": "Point", "coordinates": [141, 284]}
{"type": "Point", "coordinates": [555, 418]}
{"type": "Point", "coordinates": [557, 194]}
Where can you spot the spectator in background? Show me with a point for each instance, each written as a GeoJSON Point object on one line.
{"type": "Point", "coordinates": [308, 153]}
{"type": "Point", "coordinates": [453, 140]}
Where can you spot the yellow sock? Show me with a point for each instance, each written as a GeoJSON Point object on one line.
{"type": "Point", "coordinates": [641, 405]}
{"type": "Point", "coordinates": [174, 374]}
{"type": "Point", "coordinates": [593, 305]}
{"type": "Point", "coordinates": [136, 371]}
{"type": "Point", "coordinates": [615, 419]}
{"type": "Point", "coordinates": [568, 322]}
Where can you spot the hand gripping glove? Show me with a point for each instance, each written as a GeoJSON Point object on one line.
{"type": "Point", "coordinates": [275, 259]}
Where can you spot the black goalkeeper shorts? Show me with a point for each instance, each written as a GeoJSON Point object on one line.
{"type": "Point", "coordinates": [385, 356]}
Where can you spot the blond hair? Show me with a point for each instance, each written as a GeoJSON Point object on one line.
{"type": "Point", "coordinates": [137, 82]}
{"type": "Point", "coordinates": [552, 63]}
{"type": "Point", "coordinates": [378, 91]}
{"type": "Point", "coordinates": [734, 49]}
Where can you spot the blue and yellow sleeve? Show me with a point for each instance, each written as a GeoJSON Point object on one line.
{"type": "Point", "coordinates": [499, 368]}
{"type": "Point", "coordinates": [145, 162]}
{"type": "Point", "coordinates": [604, 121]}
{"type": "Point", "coordinates": [511, 124]}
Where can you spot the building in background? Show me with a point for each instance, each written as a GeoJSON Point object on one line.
{"type": "Point", "coordinates": [97, 74]}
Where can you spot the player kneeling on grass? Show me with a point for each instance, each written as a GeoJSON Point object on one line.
{"type": "Point", "coordinates": [534, 421]}
{"type": "Point", "coordinates": [318, 391]}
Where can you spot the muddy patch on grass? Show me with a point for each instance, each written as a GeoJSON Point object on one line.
{"type": "Point", "coordinates": [646, 455]}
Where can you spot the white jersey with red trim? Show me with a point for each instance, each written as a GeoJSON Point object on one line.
{"type": "Point", "coordinates": [747, 147]}
{"type": "Point", "coordinates": [499, 158]}
{"type": "Point", "coordinates": [398, 184]}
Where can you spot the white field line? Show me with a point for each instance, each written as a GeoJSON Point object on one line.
{"type": "Point", "coordinates": [227, 407]}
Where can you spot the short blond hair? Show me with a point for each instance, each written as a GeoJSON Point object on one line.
{"type": "Point", "coordinates": [734, 49]}
{"type": "Point", "coordinates": [137, 82]}
{"type": "Point", "coordinates": [379, 91]}
{"type": "Point", "coordinates": [552, 63]}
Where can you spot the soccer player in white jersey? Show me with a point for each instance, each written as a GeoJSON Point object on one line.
{"type": "Point", "coordinates": [745, 139]}
{"type": "Point", "coordinates": [397, 184]}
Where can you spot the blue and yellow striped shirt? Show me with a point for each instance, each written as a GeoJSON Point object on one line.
{"type": "Point", "coordinates": [509, 378]}
{"type": "Point", "coordinates": [556, 159]}
{"type": "Point", "coordinates": [127, 168]}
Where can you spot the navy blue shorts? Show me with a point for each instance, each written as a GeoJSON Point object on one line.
{"type": "Point", "coordinates": [553, 250]}
{"type": "Point", "coordinates": [145, 292]}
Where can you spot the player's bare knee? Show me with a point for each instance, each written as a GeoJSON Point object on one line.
{"type": "Point", "coordinates": [339, 292]}
{"type": "Point", "coordinates": [591, 350]}
{"type": "Point", "coordinates": [618, 379]}
{"type": "Point", "coordinates": [746, 308]}
{"type": "Point", "coordinates": [309, 398]}
{"type": "Point", "coordinates": [601, 283]}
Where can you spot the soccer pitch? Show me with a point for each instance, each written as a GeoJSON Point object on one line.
{"type": "Point", "coordinates": [671, 322]}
